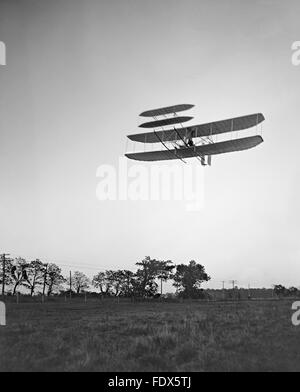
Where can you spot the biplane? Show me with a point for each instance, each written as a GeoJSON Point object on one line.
{"type": "Point", "coordinates": [195, 141]}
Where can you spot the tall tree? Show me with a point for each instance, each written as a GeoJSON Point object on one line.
{"type": "Point", "coordinates": [34, 275]}
{"type": "Point", "coordinates": [149, 271]}
{"type": "Point", "coordinates": [80, 282]}
{"type": "Point", "coordinates": [188, 279]}
{"type": "Point", "coordinates": [165, 272]}
{"type": "Point", "coordinates": [127, 284]}
{"type": "Point", "coordinates": [116, 280]}
{"type": "Point", "coordinates": [5, 274]}
{"type": "Point", "coordinates": [120, 282]}
{"type": "Point", "coordinates": [18, 272]}
{"type": "Point", "coordinates": [45, 276]}
{"type": "Point", "coordinates": [101, 282]}
{"type": "Point", "coordinates": [53, 278]}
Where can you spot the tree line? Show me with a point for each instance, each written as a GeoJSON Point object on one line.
{"type": "Point", "coordinates": [282, 291]}
{"type": "Point", "coordinates": [37, 277]}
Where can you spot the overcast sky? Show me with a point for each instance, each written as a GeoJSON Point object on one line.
{"type": "Point", "coordinates": [78, 74]}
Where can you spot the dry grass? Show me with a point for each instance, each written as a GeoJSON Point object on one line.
{"type": "Point", "coordinates": [107, 336]}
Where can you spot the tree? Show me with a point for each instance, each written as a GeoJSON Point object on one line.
{"type": "Point", "coordinates": [188, 279]}
{"type": "Point", "coordinates": [128, 283]}
{"type": "Point", "coordinates": [293, 292]}
{"type": "Point", "coordinates": [52, 278]}
{"type": "Point", "coordinates": [115, 280]}
{"type": "Point", "coordinates": [18, 272]}
{"type": "Point", "coordinates": [100, 281]}
{"type": "Point", "coordinates": [282, 291]}
{"type": "Point", "coordinates": [34, 275]}
{"type": "Point", "coordinates": [279, 290]}
{"type": "Point", "coordinates": [6, 275]}
{"type": "Point", "coordinates": [45, 276]}
{"type": "Point", "coordinates": [165, 272]}
{"type": "Point", "coordinates": [151, 269]}
{"type": "Point", "coordinates": [80, 282]}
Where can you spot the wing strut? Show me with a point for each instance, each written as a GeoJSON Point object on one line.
{"type": "Point", "coordinates": [197, 156]}
{"type": "Point", "coordinates": [164, 144]}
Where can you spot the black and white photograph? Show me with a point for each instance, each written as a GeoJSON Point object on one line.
{"type": "Point", "coordinates": [149, 189]}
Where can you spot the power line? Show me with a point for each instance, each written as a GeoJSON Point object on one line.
{"type": "Point", "coordinates": [83, 265]}
{"type": "Point", "coordinates": [77, 266]}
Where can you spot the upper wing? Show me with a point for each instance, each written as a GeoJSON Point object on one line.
{"type": "Point", "coordinates": [205, 149]}
{"type": "Point", "coordinates": [165, 121]}
{"type": "Point", "coordinates": [166, 110]}
{"type": "Point", "coordinates": [208, 129]}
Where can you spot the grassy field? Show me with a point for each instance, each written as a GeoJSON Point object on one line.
{"type": "Point", "coordinates": [110, 336]}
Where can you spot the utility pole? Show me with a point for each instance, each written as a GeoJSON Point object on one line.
{"type": "Point", "coordinates": [223, 288]}
{"type": "Point", "coordinates": [233, 285]}
{"type": "Point", "coordinates": [70, 284]}
{"type": "Point", "coordinates": [3, 256]}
